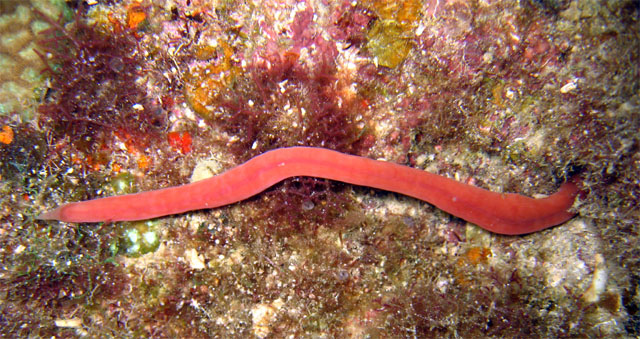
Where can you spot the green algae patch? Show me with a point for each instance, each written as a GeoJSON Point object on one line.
{"type": "Point", "coordinates": [136, 238]}
{"type": "Point", "coordinates": [123, 183]}
{"type": "Point", "coordinates": [388, 43]}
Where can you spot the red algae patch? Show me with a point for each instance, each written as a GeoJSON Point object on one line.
{"type": "Point", "coordinates": [510, 96]}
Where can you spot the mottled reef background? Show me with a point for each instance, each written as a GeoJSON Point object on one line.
{"type": "Point", "coordinates": [99, 98]}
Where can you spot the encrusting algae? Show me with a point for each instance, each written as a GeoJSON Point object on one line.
{"type": "Point", "coordinates": [512, 96]}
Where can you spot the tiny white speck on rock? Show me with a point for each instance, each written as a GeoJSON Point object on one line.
{"type": "Point", "coordinates": [262, 315]}
{"type": "Point", "coordinates": [195, 260]}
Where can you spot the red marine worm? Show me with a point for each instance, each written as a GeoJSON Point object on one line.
{"type": "Point", "coordinates": [504, 213]}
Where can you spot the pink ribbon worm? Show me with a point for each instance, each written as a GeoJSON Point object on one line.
{"type": "Point", "coordinates": [504, 213]}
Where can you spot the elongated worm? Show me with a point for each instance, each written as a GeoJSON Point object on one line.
{"type": "Point", "coordinates": [504, 213]}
